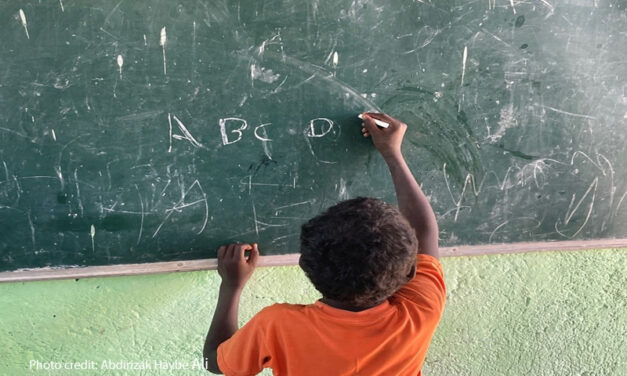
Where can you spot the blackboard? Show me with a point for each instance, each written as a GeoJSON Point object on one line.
{"type": "Point", "coordinates": [154, 131]}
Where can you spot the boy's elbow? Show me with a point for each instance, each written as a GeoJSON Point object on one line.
{"type": "Point", "coordinates": [210, 362]}
{"type": "Point", "coordinates": [213, 369]}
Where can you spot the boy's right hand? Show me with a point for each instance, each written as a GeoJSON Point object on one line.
{"type": "Point", "coordinates": [387, 140]}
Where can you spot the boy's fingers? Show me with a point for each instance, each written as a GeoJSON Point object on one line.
{"type": "Point", "coordinates": [369, 124]}
{"type": "Point", "coordinates": [236, 251]}
{"type": "Point", "coordinates": [394, 123]}
{"type": "Point", "coordinates": [382, 117]}
{"type": "Point", "coordinates": [240, 252]}
{"type": "Point", "coordinates": [254, 255]}
{"type": "Point", "coordinates": [221, 251]}
{"type": "Point", "coordinates": [229, 251]}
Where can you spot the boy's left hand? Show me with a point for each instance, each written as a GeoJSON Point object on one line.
{"type": "Point", "coordinates": [233, 266]}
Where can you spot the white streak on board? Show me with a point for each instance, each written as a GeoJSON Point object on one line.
{"type": "Point", "coordinates": [78, 192]}
{"type": "Point", "coordinates": [6, 171]}
{"type": "Point", "coordinates": [23, 18]}
{"type": "Point", "coordinates": [121, 63]}
{"type": "Point", "coordinates": [343, 194]}
{"type": "Point", "coordinates": [570, 113]}
{"type": "Point", "coordinates": [19, 188]}
{"type": "Point", "coordinates": [537, 224]}
{"type": "Point", "coordinates": [326, 61]}
{"type": "Point", "coordinates": [164, 37]}
{"type": "Point", "coordinates": [512, 4]}
{"type": "Point", "coordinates": [60, 175]}
{"type": "Point", "coordinates": [551, 8]}
{"type": "Point", "coordinates": [252, 202]}
{"type": "Point", "coordinates": [264, 143]}
{"type": "Point", "coordinates": [170, 123]}
{"type": "Point", "coordinates": [145, 41]}
{"type": "Point", "coordinates": [497, 38]}
{"type": "Point", "coordinates": [464, 56]}
{"type": "Point", "coordinates": [569, 214]}
{"type": "Point", "coordinates": [425, 36]}
{"type": "Point", "coordinates": [32, 229]}
{"type": "Point", "coordinates": [61, 3]}
{"type": "Point", "coordinates": [620, 202]}
{"type": "Point", "coordinates": [92, 233]}
{"type": "Point", "coordinates": [294, 204]}
{"type": "Point", "coordinates": [194, 51]}
{"type": "Point", "coordinates": [255, 219]}
{"type": "Point", "coordinates": [267, 42]}
{"type": "Point", "coordinates": [54, 136]}
{"type": "Point", "coordinates": [179, 207]}
{"type": "Point", "coordinates": [141, 226]}
{"type": "Point", "coordinates": [336, 59]}
{"type": "Point", "coordinates": [162, 42]}
{"type": "Point", "coordinates": [461, 86]}
{"type": "Point", "coordinates": [457, 203]}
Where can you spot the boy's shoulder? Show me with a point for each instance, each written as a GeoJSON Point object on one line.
{"type": "Point", "coordinates": [282, 316]}
{"type": "Point", "coordinates": [281, 309]}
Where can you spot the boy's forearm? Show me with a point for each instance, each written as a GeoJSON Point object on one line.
{"type": "Point", "coordinates": [414, 205]}
{"type": "Point", "coordinates": [223, 325]}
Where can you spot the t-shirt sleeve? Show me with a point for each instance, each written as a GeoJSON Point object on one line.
{"type": "Point", "coordinates": [426, 290]}
{"type": "Point", "coordinates": [247, 351]}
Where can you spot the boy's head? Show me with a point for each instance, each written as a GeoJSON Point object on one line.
{"type": "Point", "coordinates": [358, 252]}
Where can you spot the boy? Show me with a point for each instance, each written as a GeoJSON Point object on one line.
{"type": "Point", "coordinates": [381, 302]}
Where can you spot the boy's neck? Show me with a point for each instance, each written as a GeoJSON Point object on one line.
{"type": "Point", "coordinates": [346, 307]}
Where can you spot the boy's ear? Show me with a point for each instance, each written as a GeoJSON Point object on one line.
{"type": "Point", "coordinates": [412, 273]}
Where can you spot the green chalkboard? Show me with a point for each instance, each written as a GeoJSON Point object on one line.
{"type": "Point", "coordinates": [139, 131]}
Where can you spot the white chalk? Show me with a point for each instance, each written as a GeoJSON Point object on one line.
{"type": "Point", "coordinates": [380, 123]}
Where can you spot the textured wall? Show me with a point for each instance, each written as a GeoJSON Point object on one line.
{"type": "Point", "coordinates": [539, 313]}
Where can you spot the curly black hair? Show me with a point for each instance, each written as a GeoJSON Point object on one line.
{"type": "Point", "coordinates": [358, 252]}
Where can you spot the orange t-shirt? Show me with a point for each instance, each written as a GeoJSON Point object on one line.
{"type": "Point", "coordinates": [317, 339]}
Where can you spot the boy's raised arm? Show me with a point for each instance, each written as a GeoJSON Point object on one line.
{"type": "Point", "coordinates": [412, 202]}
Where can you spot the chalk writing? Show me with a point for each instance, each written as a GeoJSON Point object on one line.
{"type": "Point", "coordinates": [312, 132]}
{"type": "Point", "coordinates": [223, 123]}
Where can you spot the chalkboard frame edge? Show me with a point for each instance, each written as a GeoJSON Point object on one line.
{"type": "Point", "coordinates": [46, 274]}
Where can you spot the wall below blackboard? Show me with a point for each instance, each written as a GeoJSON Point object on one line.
{"type": "Point", "coordinates": [505, 314]}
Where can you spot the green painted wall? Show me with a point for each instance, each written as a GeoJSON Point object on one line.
{"type": "Point", "coordinates": [536, 313]}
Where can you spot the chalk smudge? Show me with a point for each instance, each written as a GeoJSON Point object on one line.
{"type": "Point", "coordinates": [162, 42]}
{"type": "Point", "coordinates": [263, 74]}
{"type": "Point", "coordinates": [23, 18]}
{"type": "Point", "coordinates": [120, 64]}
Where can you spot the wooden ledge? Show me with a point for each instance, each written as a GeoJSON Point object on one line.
{"type": "Point", "coordinates": [40, 274]}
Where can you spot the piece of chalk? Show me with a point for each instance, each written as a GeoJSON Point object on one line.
{"type": "Point", "coordinates": [378, 122]}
